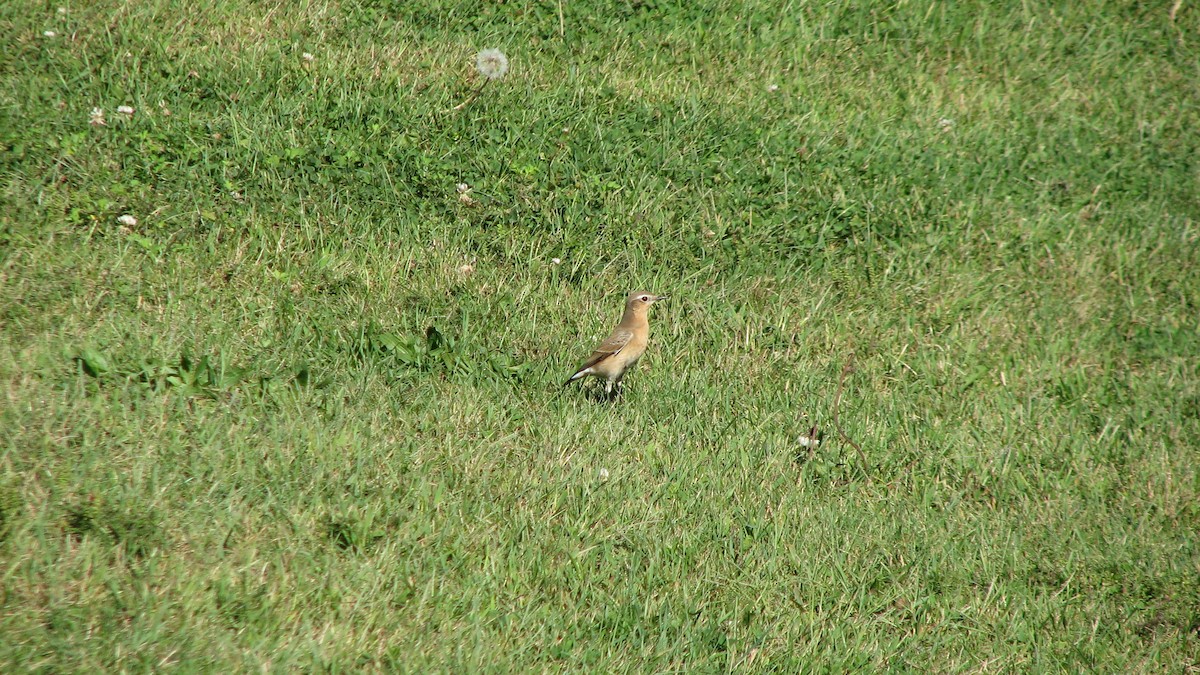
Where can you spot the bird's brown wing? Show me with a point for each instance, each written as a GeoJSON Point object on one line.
{"type": "Point", "coordinates": [609, 348]}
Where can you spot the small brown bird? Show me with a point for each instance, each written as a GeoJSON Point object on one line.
{"type": "Point", "coordinates": [621, 350]}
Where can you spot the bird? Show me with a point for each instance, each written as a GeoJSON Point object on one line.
{"type": "Point", "coordinates": [621, 350]}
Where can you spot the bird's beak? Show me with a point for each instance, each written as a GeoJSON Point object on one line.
{"type": "Point", "coordinates": [660, 297]}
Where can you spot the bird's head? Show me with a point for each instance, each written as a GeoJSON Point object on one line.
{"type": "Point", "coordinates": [640, 301]}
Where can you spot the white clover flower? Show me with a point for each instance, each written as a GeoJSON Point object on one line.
{"type": "Point", "coordinates": [464, 194]}
{"type": "Point", "coordinates": [603, 474]}
{"type": "Point", "coordinates": [556, 261]}
{"type": "Point", "coordinates": [125, 109]}
{"type": "Point", "coordinates": [809, 442]}
{"type": "Point", "coordinates": [127, 220]}
{"type": "Point", "coordinates": [62, 10]}
{"type": "Point", "coordinates": [945, 123]}
{"type": "Point", "coordinates": [491, 63]}
{"type": "Point", "coordinates": [466, 269]}
{"type": "Point", "coordinates": [307, 57]}
{"type": "Point", "coordinates": [49, 33]}
{"type": "Point", "coordinates": [96, 117]}
{"type": "Point", "coordinates": [773, 88]}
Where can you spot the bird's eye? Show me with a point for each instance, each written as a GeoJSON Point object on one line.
{"type": "Point", "coordinates": [645, 298]}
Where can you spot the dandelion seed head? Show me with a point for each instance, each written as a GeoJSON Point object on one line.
{"type": "Point", "coordinates": [462, 188]}
{"type": "Point", "coordinates": [491, 63]}
{"type": "Point", "coordinates": [603, 474]}
{"type": "Point", "coordinates": [466, 269]}
{"type": "Point", "coordinates": [96, 117]}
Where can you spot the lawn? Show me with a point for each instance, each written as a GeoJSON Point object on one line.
{"type": "Point", "coordinates": [282, 342]}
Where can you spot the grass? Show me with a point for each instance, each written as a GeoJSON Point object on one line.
{"type": "Point", "coordinates": [305, 413]}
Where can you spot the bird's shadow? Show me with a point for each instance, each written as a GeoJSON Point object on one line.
{"type": "Point", "coordinates": [598, 395]}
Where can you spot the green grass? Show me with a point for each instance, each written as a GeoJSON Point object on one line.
{"type": "Point", "coordinates": [306, 415]}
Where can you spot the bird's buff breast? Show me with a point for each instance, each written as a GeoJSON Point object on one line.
{"type": "Point", "coordinates": [623, 360]}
